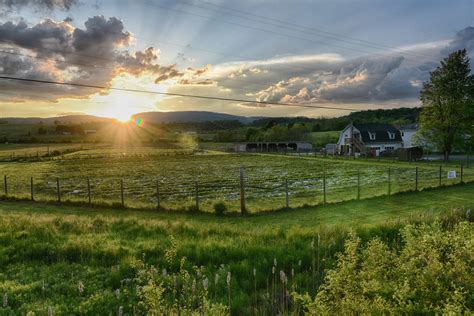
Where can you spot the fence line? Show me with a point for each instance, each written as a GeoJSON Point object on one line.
{"type": "Point", "coordinates": [244, 191]}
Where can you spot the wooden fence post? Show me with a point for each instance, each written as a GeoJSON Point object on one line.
{"type": "Point", "coordinates": [32, 189]}
{"type": "Point", "coordinates": [287, 200]}
{"type": "Point", "coordinates": [58, 187]}
{"type": "Point", "coordinates": [89, 196]}
{"type": "Point", "coordinates": [416, 179]}
{"type": "Point", "coordinates": [5, 185]}
{"type": "Point", "coordinates": [358, 184]}
{"type": "Point", "coordinates": [389, 181]}
{"type": "Point", "coordinates": [158, 206]}
{"type": "Point", "coordinates": [121, 193]}
{"type": "Point", "coordinates": [243, 209]}
{"type": "Point", "coordinates": [324, 187]}
{"type": "Point", "coordinates": [196, 192]}
{"type": "Point", "coordinates": [440, 171]}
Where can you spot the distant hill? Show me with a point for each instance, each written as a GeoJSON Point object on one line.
{"type": "Point", "coordinates": [191, 116]}
{"type": "Point", "coordinates": [50, 120]}
{"type": "Point", "coordinates": [152, 117]}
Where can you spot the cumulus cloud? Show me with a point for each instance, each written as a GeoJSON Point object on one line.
{"type": "Point", "coordinates": [332, 79]}
{"type": "Point", "coordinates": [94, 54]}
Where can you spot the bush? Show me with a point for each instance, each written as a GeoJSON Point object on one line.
{"type": "Point", "coordinates": [220, 208]}
{"type": "Point", "coordinates": [430, 273]}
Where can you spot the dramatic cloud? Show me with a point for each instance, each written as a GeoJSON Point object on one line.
{"type": "Point", "coordinates": [57, 51]}
{"type": "Point", "coordinates": [39, 4]}
{"type": "Point", "coordinates": [395, 76]}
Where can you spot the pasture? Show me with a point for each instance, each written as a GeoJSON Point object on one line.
{"type": "Point", "coordinates": [183, 178]}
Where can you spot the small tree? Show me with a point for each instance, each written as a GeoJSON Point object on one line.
{"type": "Point", "coordinates": [448, 102]}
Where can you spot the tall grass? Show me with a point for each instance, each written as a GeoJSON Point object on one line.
{"type": "Point", "coordinates": [130, 265]}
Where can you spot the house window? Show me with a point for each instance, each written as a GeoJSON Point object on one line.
{"type": "Point", "coordinates": [391, 135]}
{"type": "Point", "coordinates": [403, 133]}
{"type": "Point", "coordinates": [389, 148]}
{"type": "Point", "coordinates": [372, 136]}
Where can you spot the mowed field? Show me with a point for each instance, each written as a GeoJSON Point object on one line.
{"type": "Point", "coordinates": [212, 176]}
{"type": "Point", "coordinates": [215, 176]}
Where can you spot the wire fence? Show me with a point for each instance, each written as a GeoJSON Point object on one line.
{"type": "Point", "coordinates": [241, 192]}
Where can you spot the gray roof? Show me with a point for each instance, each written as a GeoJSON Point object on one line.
{"type": "Point", "coordinates": [381, 133]}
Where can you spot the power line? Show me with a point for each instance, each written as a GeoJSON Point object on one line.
{"type": "Point", "coordinates": [217, 53]}
{"type": "Point", "coordinates": [80, 85]}
{"type": "Point", "coordinates": [315, 31]}
{"type": "Point", "coordinates": [263, 84]}
{"type": "Point", "coordinates": [262, 29]}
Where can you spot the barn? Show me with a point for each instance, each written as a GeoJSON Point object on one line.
{"type": "Point", "coordinates": [288, 146]}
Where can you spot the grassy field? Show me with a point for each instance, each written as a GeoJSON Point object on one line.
{"type": "Point", "coordinates": [215, 176]}
{"type": "Point", "coordinates": [80, 261]}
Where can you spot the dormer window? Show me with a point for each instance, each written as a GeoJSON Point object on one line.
{"type": "Point", "coordinates": [391, 135]}
{"type": "Point", "coordinates": [372, 136]}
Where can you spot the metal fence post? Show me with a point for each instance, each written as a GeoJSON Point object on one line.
{"type": "Point", "coordinates": [286, 194]}
{"type": "Point", "coordinates": [440, 171]}
{"type": "Point", "coordinates": [243, 209]}
{"type": "Point", "coordinates": [158, 206]}
{"type": "Point", "coordinates": [121, 193]}
{"type": "Point", "coordinates": [358, 184]}
{"type": "Point", "coordinates": [196, 192]}
{"type": "Point", "coordinates": [32, 189]}
{"type": "Point", "coordinates": [58, 187]}
{"type": "Point", "coordinates": [416, 179]}
{"type": "Point", "coordinates": [5, 185]}
{"type": "Point", "coordinates": [389, 182]}
{"type": "Point", "coordinates": [324, 187]}
{"type": "Point", "coordinates": [89, 196]}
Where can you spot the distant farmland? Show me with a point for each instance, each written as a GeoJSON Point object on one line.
{"type": "Point", "coordinates": [181, 174]}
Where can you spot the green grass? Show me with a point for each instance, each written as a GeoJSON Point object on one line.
{"type": "Point", "coordinates": [56, 247]}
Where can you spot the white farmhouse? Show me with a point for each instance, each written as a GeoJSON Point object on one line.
{"type": "Point", "coordinates": [407, 132]}
{"type": "Point", "coordinates": [371, 139]}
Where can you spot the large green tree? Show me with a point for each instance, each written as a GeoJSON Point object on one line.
{"type": "Point", "coordinates": [448, 103]}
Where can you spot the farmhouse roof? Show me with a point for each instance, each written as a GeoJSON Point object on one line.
{"type": "Point", "coordinates": [381, 133]}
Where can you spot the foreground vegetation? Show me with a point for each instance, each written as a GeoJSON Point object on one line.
{"type": "Point", "coordinates": [73, 260]}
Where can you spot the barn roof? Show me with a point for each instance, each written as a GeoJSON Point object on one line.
{"type": "Point", "coordinates": [381, 133]}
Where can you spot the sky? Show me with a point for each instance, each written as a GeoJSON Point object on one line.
{"type": "Point", "coordinates": [320, 58]}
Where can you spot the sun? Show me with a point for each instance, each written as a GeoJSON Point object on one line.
{"type": "Point", "coordinates": [121, 106]}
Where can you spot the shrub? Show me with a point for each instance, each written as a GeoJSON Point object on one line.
{"type": "Point", "coordinates": [220, 208]}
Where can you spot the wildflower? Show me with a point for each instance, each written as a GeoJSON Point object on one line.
{"type": "Point", "coordinates": [299, 263]}
{"type": "Point", "coordinates": [194, 285]}
{"type": "Point", "coordinates": [275, 262]}
{"type": "Point", "coordinates": [292, 272]}
{"type": "Point", "coordinates": [50, 311]}
{"type": "Point", "coordinates": [282, 276]}
{"type": "Point", "coordinates": [81, 287]}
{"type": "Point", "coordinates": [5, 300]}
{"type": "Point", "coordinates": [254, 272]}
{"type": "Point", "coordinates": [216, 279]}
{"type": "Point", "coordinates": [43, 287]}
{"type": "Point", "coordinates": [228, 278]}
{"type": "Point", "coordinates": [120, 311]}
{"type": "Point", "coordinates": [205, 283]}
{"type": "Point", "coordinates": [117, 293]}
{"type": "Point", "coordinates": [273, 270]}
{"type": "Point", "coordinates": [165, 273]}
